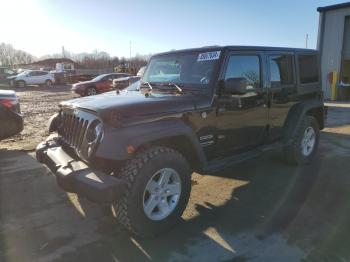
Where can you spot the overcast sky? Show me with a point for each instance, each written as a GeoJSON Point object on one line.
{"type": "Point", "coordinates": [42, 27]}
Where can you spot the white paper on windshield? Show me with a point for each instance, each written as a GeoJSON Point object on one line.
{"type": "Point", "coordinates": [208, 56]}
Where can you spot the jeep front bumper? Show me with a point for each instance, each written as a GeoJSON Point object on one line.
{"type": "Point", "coordinates": [75, 176]}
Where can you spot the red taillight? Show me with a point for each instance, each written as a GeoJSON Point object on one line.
{"type": "Point", "coordinates": [7, 103]}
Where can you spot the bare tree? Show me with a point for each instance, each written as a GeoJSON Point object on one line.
{"type": "Point", "coordinates": [10, 56]}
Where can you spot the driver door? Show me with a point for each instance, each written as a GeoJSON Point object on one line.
{"type": "Point", "coordinates": [105, 84]}
{"type": "Point", "coordinates": [31, 78]}
{"type": "Point", "coordinates": [242, 116]}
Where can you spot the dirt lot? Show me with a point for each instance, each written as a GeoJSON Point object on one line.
{"type": "Point", "coordinates": [38, 104]}
{"type": "Point", "coordinates": [259, 210]}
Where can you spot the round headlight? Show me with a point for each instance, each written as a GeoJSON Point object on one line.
{"type": "Point", "coordinates": [94, 131]}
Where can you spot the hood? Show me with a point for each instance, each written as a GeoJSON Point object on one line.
{"type": "Point", "coordinates": [11, 77]}
{"type": "Point", "coordinates": [85, 83]}
{"type": "Point", "coordinates": [133, 105]}
{"type": "Point", "coordinates": [121, 79]}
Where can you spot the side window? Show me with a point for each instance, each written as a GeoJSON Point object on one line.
{"type": "Point", "coordinates": [8, 71]}
{"type": "Point", "coordinates": [42, 73]}
{"type": "Point", "coordinates": [108, 78]}
{"type": "Point", "coordinates": [281, 70]}
{"type": "Point", "coordinates": [244, 69]}
{"type": "Point", "coordinates": [308, 68]}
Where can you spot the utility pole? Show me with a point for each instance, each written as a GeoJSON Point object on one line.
{"type": "Point", "coordinates": [130, 56]}
{"type": "Point", "coordinates": [63, 52]}
{"type": "Point", "coordinates": [306, 40]}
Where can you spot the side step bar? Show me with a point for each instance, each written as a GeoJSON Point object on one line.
{"type": "Point", "coordinates": [225, 162]}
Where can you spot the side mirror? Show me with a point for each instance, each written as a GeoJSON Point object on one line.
{"type": "Point", "coordinates": [236, 85]}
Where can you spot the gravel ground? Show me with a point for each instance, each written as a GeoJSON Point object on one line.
{"type": "Point", "coordinates": [258, 210]}
{"type": "Point", "coordinates": [38, 104]}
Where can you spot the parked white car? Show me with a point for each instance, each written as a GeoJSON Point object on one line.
{"type": "Point", "coordinates": [32, 77]}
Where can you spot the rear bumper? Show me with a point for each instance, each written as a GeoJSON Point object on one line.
{"type": "Point", "coordinates": [11, 123]}
{"type": "Point", "coordinates": [73, 175]}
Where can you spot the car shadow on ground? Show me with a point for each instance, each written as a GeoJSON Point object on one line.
{"type": "Point", "coordinates": [277, 212]}
{"type": "Point", "coordinates": [276, 199]}
{"type": "Point", "coordinates": [30, 88]}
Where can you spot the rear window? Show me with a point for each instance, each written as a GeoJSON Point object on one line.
{"type": "Point", "coordinates": [281, 70]}
{"type": "Point", "coordinates": [41, 73]}
{"type": "Point", "coordinates": [308, 68]}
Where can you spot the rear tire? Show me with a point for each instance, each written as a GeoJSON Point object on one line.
{"type": "Point", "coordinates": [91, 91]}
{"type": "Point", "coordinates": [21, 84]}
{"type": "Point", "coordinates": [305, 143]}
{"type": "Point", "coordinates": [158, 179]}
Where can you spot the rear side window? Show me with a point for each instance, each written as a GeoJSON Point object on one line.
{"type": "Point", "coordinates": [308, 68]}
{"type": "Point", "coordinates": [281, 70]}
{"type": "Point", "coordinates": [8, 71]}
{"type": "Point", "coordinates": [244, 69]}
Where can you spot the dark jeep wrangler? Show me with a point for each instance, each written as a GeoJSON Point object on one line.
{"type": "Point", "coordinates": [194, 110]}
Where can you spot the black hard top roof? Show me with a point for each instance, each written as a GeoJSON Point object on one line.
{"type": "Point", "coordinates": [333, 7]}
{"type": "Point", "coordinates": [239, 48]}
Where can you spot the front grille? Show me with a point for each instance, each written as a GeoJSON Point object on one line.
{"type": "Point", "coordinates": [73, 129]}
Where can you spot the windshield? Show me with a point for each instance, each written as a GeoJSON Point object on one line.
{"type": "Point", "coordinates": [24, 73]}
{"type": "Point", "coordinates": [134, 87]}
{"type": "Point", "coordinates": [98, 78]}
{"type": "Point", "coordinates": [193, 69]}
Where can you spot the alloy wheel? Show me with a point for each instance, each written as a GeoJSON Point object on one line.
{"type": "Point", "coordinates": [162, 194]}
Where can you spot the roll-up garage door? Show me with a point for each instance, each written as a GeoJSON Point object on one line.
{"type": "Point", "coordinates": [346, 43]}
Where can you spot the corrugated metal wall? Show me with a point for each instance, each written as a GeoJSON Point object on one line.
{"type": "Point", "coordinates": [332, 44]}
{"type": "Point", "coordinates": [346, 45]}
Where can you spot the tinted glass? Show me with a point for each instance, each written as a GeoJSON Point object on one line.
{"type": "Point", "coordinates": [245, 69]}
{"type": "Point", "coordinates": [281, 70]}
{"type": "Point", "coordinates": [8, 71]}
{"type": "Point", "coordinates": [99, 78]}
{"type": "Point", "coordinates": [194, 69]}
{"type": "Point", "coordinates": [308, 68]}
{"type": "Point", "coordinates": [108, 78]}
{"type": "Point", "coordinates": [41, 73]}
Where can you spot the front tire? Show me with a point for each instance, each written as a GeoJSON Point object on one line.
{"type": "Point", "coordinates": [158, 189]}
{"type": "Point", "coordinates": [91, 91]}
{"type": "Point", "coordinates": [305, 143]}
{"type": "Point", "coordinates": [48, 83]}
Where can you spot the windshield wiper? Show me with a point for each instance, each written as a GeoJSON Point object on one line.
{"type": "Point", "coordinates": [146, 83]}
{"type": "Point", "coordinates": [152, 85]}
{"type": "Point", "coordinates": [177, 87]}
{"type": "Point", "coordinates": [170, 84]}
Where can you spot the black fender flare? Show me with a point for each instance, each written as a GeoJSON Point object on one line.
{"type": "Point", "coordinates": [53, 123]}
{"type": "Point", "coordinates": [116, 141]}
{"type": "Point", "coordinates": [296, 114]}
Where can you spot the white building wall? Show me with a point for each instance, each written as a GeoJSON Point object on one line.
{"type": "Point", "coordinates": [332, 44]}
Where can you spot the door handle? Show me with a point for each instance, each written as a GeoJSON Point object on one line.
{"type": "Point", "coordinates": [260, 101]}
{"type": "Point", "coordinates": [220, 110]}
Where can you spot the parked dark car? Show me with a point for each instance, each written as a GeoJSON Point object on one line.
{"type": "Point", "coordinates": [11, 121]}
{"type": "Point", "coordinates": [5, 72]}
{"type": "Point", "coordinates": [122, 83]}
{"type": "Point", "coordinates": [195, 110]}
{"type": "Point", "coordinates": [99, 84]}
